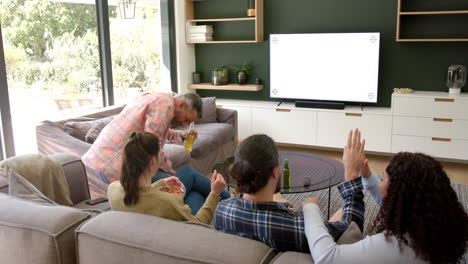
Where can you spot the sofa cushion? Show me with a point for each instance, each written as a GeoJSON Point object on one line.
{"type": "Point", "coordinates": [292, 257]}
{"type": "Point", "coordinates": [210, 137]}
{"type": "Point", "coordinates": [80, 129]}
{"type": "Point", "coordinates": [36, 233]}
{"type": "Point", "coordinates": [352, 235]}
{"type": "Point", "coordinates": [208, 111]}
{"type": "Point", "coordinates": [124, 237]}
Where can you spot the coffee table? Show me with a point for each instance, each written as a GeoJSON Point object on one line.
{"type": "Point", "coordinates": [309, 172]}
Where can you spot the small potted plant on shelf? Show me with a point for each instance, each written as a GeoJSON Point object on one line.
{"type": "Point", "coordinates": [242, 73]}
{"type": "Point", "coordinates": [219, 76]}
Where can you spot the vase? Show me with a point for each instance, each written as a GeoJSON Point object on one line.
{"type": "Point", "coordinates": [219, 77]}
{"type": "Point", "coordinates": [241, 77]}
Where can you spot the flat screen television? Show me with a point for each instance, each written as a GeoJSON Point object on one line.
{"type": "Point", "coordinates": [339, 67]}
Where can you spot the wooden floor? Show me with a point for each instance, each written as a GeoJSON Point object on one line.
{"type": "Point", "coordinates": [457, 172]}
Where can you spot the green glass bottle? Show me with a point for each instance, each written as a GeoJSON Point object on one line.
{"type": "Point", "coordinates": [286, 175]}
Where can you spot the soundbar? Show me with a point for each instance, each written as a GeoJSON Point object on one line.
{"type": "Point", "coordinates": [326, 105]}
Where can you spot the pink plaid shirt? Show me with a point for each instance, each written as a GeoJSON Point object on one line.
{"type": "Point", "coordinates": [151, 112]}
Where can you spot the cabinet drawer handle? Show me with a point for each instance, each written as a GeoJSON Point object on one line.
{"type": "Point", "coordinates": [282, 110]}
{"type": "Point", "coordinates": [442, 120]}
{"type": "Point", "coordinates": [352, 114]}
{"type": "Point", "coordinates": [444, 100]}
{"type": "Point", "coordinates": [441, 139]}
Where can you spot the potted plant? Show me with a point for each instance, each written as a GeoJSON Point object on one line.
{"type": "Point", "coordinates": [242, 73]}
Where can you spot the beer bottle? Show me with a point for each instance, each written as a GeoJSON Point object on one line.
{"type": "Point", "coordinates": [286, 175]}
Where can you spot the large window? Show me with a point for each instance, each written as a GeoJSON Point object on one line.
{"type": "Point", "coordinates": [53, 63]}
{"type": "Point", "coordinates": [135, 36]}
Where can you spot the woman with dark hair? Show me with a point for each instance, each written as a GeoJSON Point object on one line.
{"type": "Point", "coordinates": [420, 219]}
{"type": "Point", "coordinates": [165, 197]}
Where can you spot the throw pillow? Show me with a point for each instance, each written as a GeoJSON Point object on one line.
{"type": "Point", "coordinates": [352, 235]}
{"type": "Point", "coordinates": [80, 129]}
{"type": "Point", "coordinates": [21, 188]}
{"type": "Point", "coordinates": [94, 132]}
{"type": "Point", "coordinates": [208, 111]}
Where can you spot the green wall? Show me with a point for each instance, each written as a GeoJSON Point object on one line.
{"type": "Point", "coordinates": [420, 66]}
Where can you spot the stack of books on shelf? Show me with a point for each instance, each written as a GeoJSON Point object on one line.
{"type": "Point", "coordinates": [200, 33]}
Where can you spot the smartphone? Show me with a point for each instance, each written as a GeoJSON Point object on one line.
{"type": "Point", "coordinates": [96, 201]}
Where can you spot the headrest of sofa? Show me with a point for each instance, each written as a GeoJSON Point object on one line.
{"type": "Point", "coordinates": [136, 238]}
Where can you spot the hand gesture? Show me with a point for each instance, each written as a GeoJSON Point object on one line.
{"type": "Point", "coordinates": [310, 200]}
{"type": "Point", "coordinates": [279, 199]}
{"type": "Point", "coordinates": [187, 133]}
{"type": "Point", "coordinates": [365, 170]}
{"type": "Point", "coordinates": [353, 155]}
{"type": "Point", "coordinates": [217, 183]}
{"type": "Point", "coordinates": [174, 184]}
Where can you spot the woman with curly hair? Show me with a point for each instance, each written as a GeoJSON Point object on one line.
{"type": "Point", "coordinates": [420, 219]}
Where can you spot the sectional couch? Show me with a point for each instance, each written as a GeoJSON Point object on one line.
{"type": "Point", "coordinates": [32, 232]}
{"type": "Point", "coordinates": [217, 138]}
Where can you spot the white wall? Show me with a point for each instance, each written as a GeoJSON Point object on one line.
{"type": "Point", "coordinates": [185, 52]}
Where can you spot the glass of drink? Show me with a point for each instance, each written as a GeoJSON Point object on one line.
{"type": "Point", "coordinates": [190, 138]}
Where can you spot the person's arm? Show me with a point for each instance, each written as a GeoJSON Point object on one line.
{"type": "Point", "coordinates": [158, 118]}
{"type": "Point", "coordinates": [158, 183]}
{"type": "Point", "coordinates": [353, 210]}
{"type": "Point", "coordinates": [175, 136]}
{"type": "Point", "coordinates": [204, 215]}
{"type": "Point", "coordinates": [371, 183]}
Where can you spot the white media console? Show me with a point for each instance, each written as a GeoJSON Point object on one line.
{"type": "Point", "coordinates": [430, 122]}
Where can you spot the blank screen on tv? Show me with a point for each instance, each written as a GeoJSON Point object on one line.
{"type": "Point", "coordinates": [325, 66]}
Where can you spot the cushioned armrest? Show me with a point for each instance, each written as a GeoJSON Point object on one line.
{"type": "Point", "coordinates": [75, 173]}
{"type": "Point", "coordinates": [228, 116]}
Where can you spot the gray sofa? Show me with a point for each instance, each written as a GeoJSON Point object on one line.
{"type": "Point", "coordinates": [44, 234]}
{"type": "Point", "coordinates": [217, 140]}
{"type": "Point", "coordinates": [36, 233]}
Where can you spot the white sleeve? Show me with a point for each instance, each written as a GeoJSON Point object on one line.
{"type": "Point", "coordinates": [372, 249]}
{"type": "Point", "coordinates": [372, 184]}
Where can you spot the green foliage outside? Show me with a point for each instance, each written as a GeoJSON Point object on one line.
{"type": "Point", "coordinates": [54, 46]}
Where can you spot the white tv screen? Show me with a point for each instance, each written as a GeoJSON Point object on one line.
{"type": "Point", "coordinates": [325, 66]}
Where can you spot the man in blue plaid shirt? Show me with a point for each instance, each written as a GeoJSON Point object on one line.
{"type": "Point", "coordinates": [255, 213]}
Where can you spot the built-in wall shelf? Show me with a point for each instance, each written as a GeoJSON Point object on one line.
{"type": "Point", "coordinates": [435, 21]}
{"type": "Point", "coordinates": [254, 23]}
{"type": "Point", "coordinates": [435, 12]}
{"type": "Point", "coordinates": [222, 19]}
{"type": "Point", "coordinates": [227, 87]}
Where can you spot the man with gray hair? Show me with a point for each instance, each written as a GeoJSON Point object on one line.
{"type": "Point", "coordinates": [151, 112]}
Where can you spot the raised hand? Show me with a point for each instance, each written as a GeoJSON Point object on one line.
{"type": "Point", "coordinates": [353, 155]}
{"type": "Point", "coordinates": [217, 183]}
